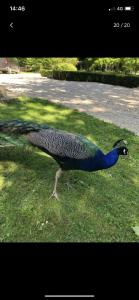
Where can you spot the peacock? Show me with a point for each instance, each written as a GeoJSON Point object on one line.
{"type": "Point", "coordinates": [70, 151]}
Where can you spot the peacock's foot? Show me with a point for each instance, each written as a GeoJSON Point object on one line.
{"type": "Point", "coordinates": [82, 182]}
{"type": "Point", "coordinates": [55, 195]}
{"type": "Point", "coordinates": [69, 185]}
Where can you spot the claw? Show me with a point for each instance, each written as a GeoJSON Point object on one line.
{"type": "Point", "coordinates": [55, 195]}
{"type": "Point", "coordinates": [69, 186]}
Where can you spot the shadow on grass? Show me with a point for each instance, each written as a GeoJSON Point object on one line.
{"type": "Point", "coordinates": [42, 111]}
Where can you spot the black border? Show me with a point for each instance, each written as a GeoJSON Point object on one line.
{"type": "Point", "coordinates": [32, 270]}
{"type": "Point", "coordinates": [48, 29]}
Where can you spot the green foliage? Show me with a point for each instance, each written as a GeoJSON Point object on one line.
{"type": "Point", "coordinates": [35, 67]}
{"type": "Point", "coordinates": [46, 73]}
{"type": "Point", "coordinates": [124, 65]}
{"type": "Point", "coordinates": [54, 63]}
{"type": "Point", "coordinates": [65, 67]}
{"type": "Point", "coordinates": [34, 63]}
{"type": "Point", "coordinates": [105, 64]}
{"type": "Point", "coordinates": [22, 61]}
{"type": "Point", "coordinates": [130, 65]}
{"type": "Point", "coordinates": [31, 64]}
{"type": "Point", "coordinates": [48, 63]}
{"type": "Point", "coordinates": [86, 63]}
{"type": "Point", "coordinates": [111, 78]}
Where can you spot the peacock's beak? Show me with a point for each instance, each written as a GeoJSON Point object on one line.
{"type": "Point", "coordinates": [127, 153]}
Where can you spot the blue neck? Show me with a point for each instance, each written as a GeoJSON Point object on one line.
{"type": "Point", "coordinates": [110, 158]}
{"type": "Point", "coordinates": [98, 162]}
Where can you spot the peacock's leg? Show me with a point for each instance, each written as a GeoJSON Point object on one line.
{"type": "Point", "coordinates": [58, 174]}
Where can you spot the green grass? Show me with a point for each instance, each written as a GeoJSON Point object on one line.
{"type": "Point", "coordinates": [101, 207]}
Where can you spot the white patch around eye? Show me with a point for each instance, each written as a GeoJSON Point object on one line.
{"type": "Point", "coordinates": [124, 151]}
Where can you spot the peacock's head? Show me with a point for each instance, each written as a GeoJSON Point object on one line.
{"type": "Point", "coordinates": [121, 147]}
{"type": "Point", "coordinates": [122, 150]}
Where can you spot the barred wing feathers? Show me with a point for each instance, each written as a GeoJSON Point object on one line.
{"type": "Point", "coordinates": [63, 144]}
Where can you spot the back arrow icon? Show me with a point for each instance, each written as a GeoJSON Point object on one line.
{"type": "Point", "coordinates": [11, 25]}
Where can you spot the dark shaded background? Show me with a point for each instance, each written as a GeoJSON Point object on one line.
{"type": "Point", "coordinates": [68, 29]}
{"type": "Point", "coordinates": [30, 271]}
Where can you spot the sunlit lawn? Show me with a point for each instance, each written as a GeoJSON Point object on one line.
{"type": "Point", "coordinates": [100, 207]}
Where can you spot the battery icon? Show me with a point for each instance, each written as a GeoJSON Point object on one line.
{"type": "Point", "coordinates": [128, 8]}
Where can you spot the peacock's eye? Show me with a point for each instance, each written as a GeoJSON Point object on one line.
{"type": "Point", "coordinates": [124, 151]}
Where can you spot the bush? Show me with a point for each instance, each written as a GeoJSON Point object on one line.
{"type": "Point", "coordinates": [60, 67]}
{"type": "Point", "coordinates": [126, 65]}
{"type": "Point", "coordinates": [46, 73]}
{"type": "Point", "coordinates": [65, 67]}
{"type": "Point", "coordinates": [35, 67]}
{"type": "Point", "coordinates": [51, 63]}
{"type": "Point", "coordinates": [26, 69]}
{"type": "Point", "coordinates": [123, 80]}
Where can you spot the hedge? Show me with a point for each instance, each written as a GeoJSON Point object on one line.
{"type": "Point", "coordinates": [114, 79]}
{"type": "Point", "coordinates": [46, 73]}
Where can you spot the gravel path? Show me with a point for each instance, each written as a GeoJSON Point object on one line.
{"type": "Point", "coordinates": [114, 104]}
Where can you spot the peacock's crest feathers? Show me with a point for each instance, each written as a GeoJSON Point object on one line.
{"type": "Point", "coordinates": [120, 143]}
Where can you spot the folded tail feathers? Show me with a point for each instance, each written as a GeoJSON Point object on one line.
{"type": "Point", "coordinates": [20, 127]}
